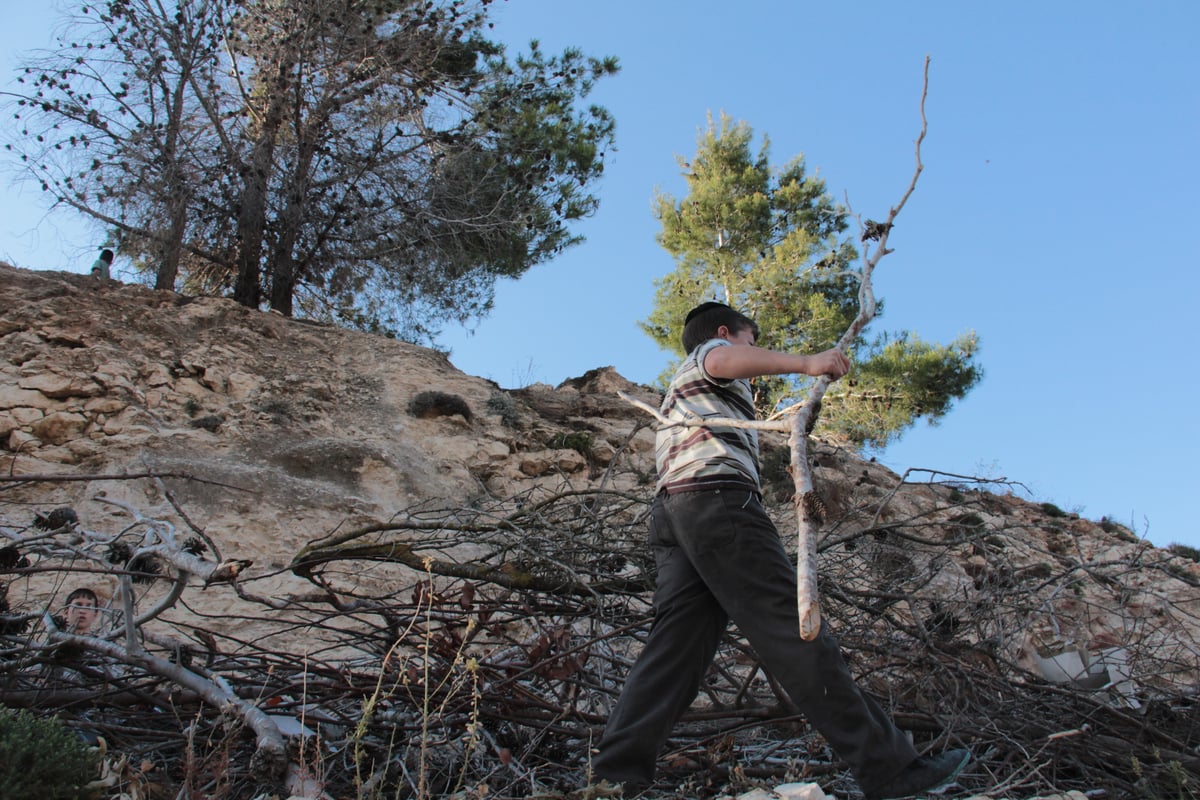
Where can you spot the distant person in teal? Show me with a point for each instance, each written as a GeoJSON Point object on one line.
{"type": "Point", "coordinates": [102, 269]}
{"type": "Point", "coordinates": [719, 558]}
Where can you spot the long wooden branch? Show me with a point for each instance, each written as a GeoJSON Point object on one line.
{"type": "Point", "coordinates": [809, 507]}
{"type": "Point", "coordinates": [780, 426]}
{"type": "Point", "coordinates": [50, 477]}
{"type": "Point", "coordinates": [507, 575]}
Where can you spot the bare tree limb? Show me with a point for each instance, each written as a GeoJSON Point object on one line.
{"type": "Point", "coordinates": [809, 516]}
{"type": "Point", "coordinates": [51, 477]}
{"type": "Point", "coordinates": [269, 757]}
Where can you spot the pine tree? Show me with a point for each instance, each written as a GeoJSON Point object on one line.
{"type": "Point", "coordinates": [379, 163]}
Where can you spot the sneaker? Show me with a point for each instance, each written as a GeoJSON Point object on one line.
{"type": "Point", "coordinates": [926, 774]}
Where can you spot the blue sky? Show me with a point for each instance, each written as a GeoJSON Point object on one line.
{"type": "Point", "coordinates": [1056, 216]}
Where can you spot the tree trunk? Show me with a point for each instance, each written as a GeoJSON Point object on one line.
{"type": "Point", "coordinates": [252, 220]}
{"type": "Point", "coordinates": [168, 267]}
{"type": "Point", "coordinates": [178, 190]}
{"type": "Point", "coordinates": [252, 214]}
{"type": "Point", "coordinates": [283, 261]}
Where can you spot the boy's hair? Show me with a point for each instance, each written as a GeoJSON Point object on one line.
{"type": "Point", "coordinates": [83, 592]}
{"type": "Point", "coordinates": [702, 322]}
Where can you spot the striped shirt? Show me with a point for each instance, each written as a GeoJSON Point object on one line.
{"type": "Point", "coordinates": [694, 458]}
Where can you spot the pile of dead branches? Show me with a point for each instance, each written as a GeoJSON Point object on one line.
{"type": "Point", "coordinates": [476, 651]}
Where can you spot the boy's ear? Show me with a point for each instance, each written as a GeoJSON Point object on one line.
{"type": "Point", "coordinates": [723, 332]}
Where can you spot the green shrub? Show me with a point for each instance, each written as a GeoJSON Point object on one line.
{"type": "Point", "coordinates": [971, 521]}
{"type": "Point", "coordinates": [428, 405]}
{"type": "Point", "coordinates": [41, 759]}
{"type": "Point", "coordinates": [1120, 531]}
{"type": "Point", "coordinates": [280, 411]}
{"type": "Point", "coordinates": [1052, 510]}
{"type": "Point", "coordinates": [1185, 551]}
{"type": "Point", "coordinates": [579, 441]}
{"type": "Point", "coordinates": [504, 407]}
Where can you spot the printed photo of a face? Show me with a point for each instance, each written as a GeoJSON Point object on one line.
{"type": "Point", "coordinates": [83, 608]}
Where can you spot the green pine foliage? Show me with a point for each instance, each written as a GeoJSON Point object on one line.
{"type": "Point", "coordinates": [899, 381]}
{"type": "Point", "coordinates": [772, 243]}
{"type": "Point", "coordinates": [41, 759]}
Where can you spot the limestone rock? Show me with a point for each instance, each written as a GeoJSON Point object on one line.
{"type": "Point", "coordinates": [59, 427]}
{"type": "Point", "coordinates": [16, 397]}
{"type": "Point", "coordinates": [58, 386]}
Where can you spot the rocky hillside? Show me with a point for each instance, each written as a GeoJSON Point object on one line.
{"type": "Point", "coordinates": [263, 435]}
{"type": "Point", "coordinates": [295, 429]}
{"type": "Point", "coordinates": [318, 424]}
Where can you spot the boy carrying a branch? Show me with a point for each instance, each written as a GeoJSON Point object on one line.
{"type": "Point", "coordinates": [719, 557]}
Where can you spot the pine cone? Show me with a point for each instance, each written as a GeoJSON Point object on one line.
{"type": "Point", "coordinates": [145, 569]}
{"type": "Point", "coordinates": [58, 518]}
{"type": "Point", "coordinates": [814, 507]}
{"type": "Point", "coordinates": [118, 553]}
{"type": "Point", "coordinates": [195, 546]}
{"type": "Point", "coordinates": [11, 558]}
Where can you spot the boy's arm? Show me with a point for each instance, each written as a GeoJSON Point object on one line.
{"type": "Point", "coordinates": [746, 361]}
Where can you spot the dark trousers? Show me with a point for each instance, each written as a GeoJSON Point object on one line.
{"type": "Point", "coordinates": [719, 557]}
